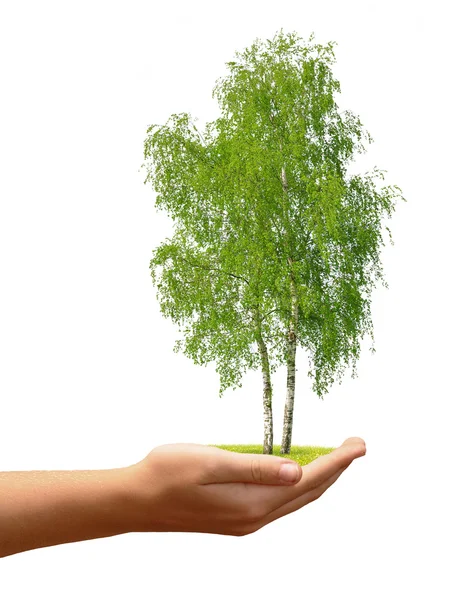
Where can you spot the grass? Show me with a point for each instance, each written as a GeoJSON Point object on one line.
{"type": "Point", "coordinates": [301, 454]}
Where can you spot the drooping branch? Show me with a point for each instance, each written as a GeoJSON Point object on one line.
{"type": "Point", "coordinates": [208, 268]}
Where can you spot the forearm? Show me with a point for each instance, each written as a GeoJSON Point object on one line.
{"type": "Point", "coordinates": [47, 508]}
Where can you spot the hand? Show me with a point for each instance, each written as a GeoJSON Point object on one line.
{"type": "Point", "coordinates": [196, 488]}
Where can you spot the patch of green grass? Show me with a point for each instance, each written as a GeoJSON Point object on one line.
{"type": "Point", "coordinates": [301, 454]}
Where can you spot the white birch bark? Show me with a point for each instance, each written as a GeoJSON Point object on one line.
{"type": "Point", "coordinates": [291, 374]}
{"type": "Point", "coordinates": [267, 396]}
{"type": "Point", "coordinates": [291, 351]}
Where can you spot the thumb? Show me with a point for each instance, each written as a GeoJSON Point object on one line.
{"type": "Point", "coordinates": [256, 468]}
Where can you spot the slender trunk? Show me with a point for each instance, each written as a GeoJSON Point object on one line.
{"type": "Point", "coordinates": [267, 396]}
{"type": "Point", "coordinates": [291, 374]}
{"type": "Point", "coordinates": [285, 447]}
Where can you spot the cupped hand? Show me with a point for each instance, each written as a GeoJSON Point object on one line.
{"type": "Point", "coordinates": [197, 488]}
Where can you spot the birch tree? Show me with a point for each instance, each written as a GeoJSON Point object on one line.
{"type": "Point", "coordinates": [272, 172]}
{"type": "Point", "coordinates": [211, 277]}
{"type": "Point", "coordinates": [293, 148]}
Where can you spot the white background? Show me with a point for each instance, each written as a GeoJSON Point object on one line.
{"type": "Point", "coordinates": [88, 377]}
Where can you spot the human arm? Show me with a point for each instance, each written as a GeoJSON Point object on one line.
{"type": "Point", "coordinates": [176, 487]}
{"type": "Point", "coordinates": [47, 508]}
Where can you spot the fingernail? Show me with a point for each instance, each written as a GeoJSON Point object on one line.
{"type": "Point", "coordinates": [289, 472]}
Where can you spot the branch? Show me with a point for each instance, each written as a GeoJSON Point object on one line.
{"type": "Point", "coordinates": [268, 313]}
{"type": "Point", "coordinates": [214, 269]}
{"type": "Point", "coordinates": [198, 133]}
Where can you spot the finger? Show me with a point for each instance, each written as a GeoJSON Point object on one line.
{"type": "Point", "coordinates": [354, 440]}
{"type": "Point", "coordinates": [301, 501]}
{"type": "Point", "coordinates": [313, 475]}
{"type": "Point", "coordinates": [323, 467]}
{"type": "Point", "coordinates": [235, 467]}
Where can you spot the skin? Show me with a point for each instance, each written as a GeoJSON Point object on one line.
{"type": "Point", "coordinates": [176, 487]}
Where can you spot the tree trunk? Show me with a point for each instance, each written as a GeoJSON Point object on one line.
{"type": "Point", "coordinates": [291, 372]}
{"type": "Point", "coordinates": [267, 398]}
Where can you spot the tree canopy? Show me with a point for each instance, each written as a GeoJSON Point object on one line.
{"type": "Point", "coordinates": [263, 193]}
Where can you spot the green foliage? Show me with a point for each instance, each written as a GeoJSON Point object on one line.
{"type": "Point", "coordinates": [217, 305]}
{"type": "Point", "coordinates": [262, 199]}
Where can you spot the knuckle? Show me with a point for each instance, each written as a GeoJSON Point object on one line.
{"type": "Point", "coordinates": [256, 470]}
{"type": "Point", "coordinates": [254, 513]}
{"type": "Point", "coordinates": [317, 493]}
{"type": "Point", "coordinates": [244, 530]}
{"type": "Point", "coordinates": [239, 533]}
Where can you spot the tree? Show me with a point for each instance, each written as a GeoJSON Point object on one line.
{"type": "Point", "coordinates": [273, 171]}
{"type": "Point", "coordinates": [210, 276]}
{"type": "Point", "coordinates": [223, 311]}
{"type": "Point", "coordinates": [280, 110]}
